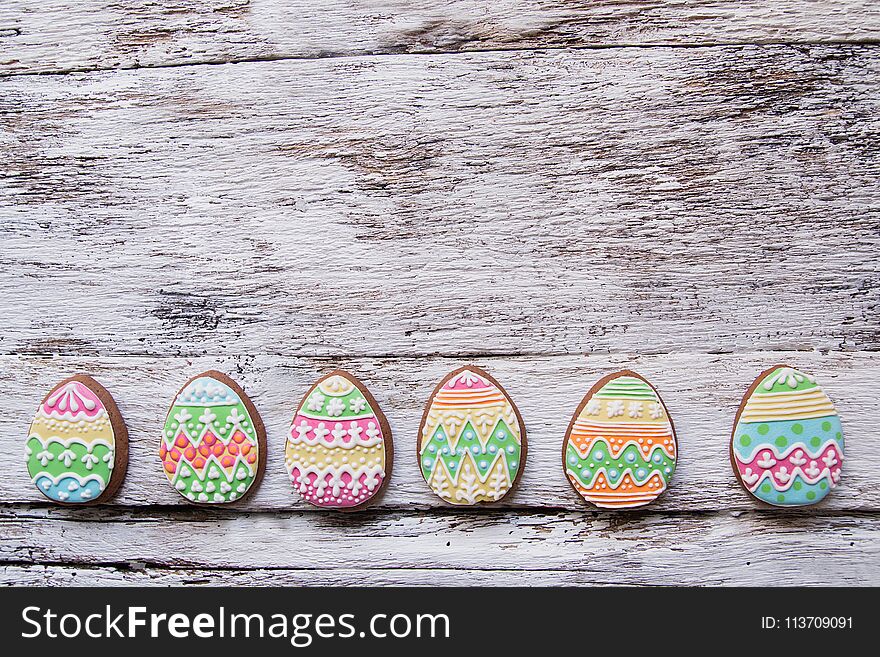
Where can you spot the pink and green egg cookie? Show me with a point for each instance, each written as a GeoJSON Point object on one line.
{"type": "Point", "coordinates": [787, 442]}
{"type": "Point", "coordinates": [77, 445]}
{"type": "Point", "coordinates": [339, 449]}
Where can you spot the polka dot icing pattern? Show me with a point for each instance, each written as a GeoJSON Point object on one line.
{"type": "Point", "coordinates": [211, 442]}
{"type": "Point", "coordinates": [787, 444]}
{"type": "Point", "coordinates": [620, 449]}
{"type": "Point", "coordinates": [71, 446]}
{"type": "Point", "coordinates": [338, 450]}
{"type": "Point", "coordinates": [472, 441]}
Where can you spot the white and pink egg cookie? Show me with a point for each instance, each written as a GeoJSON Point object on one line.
{"type": "Point", "coordinates": [339, 449]}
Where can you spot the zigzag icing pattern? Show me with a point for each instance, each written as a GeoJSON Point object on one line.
{"type": "Point", "coordinates": [470, 422]}
{"type": "Point", "coordinates": [468, 457]}
{"type": "Point", "coordinates": [209, 447]}
{"type": "Point", "coordinates": [213, 482]}
{"type": "Point", "coordinates": [483, 421]}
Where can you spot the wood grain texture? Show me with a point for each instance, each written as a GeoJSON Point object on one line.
{"type": "Point", "coordinates": [65, 35]}
{"type": "Point", "coordinates": [139, 575]}
{"type": "Point", "coordinates": [702, 394]}
{"type": "Point", "coordinates": [626, 200]}
{"type": "Point", "coordinates": [515, 187]}
{"type": "Point", "coordinates": [756, 549]}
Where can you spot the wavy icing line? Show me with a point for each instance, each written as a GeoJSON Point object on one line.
{"type": "Point", "coordinates": [781, 477]}
{"type": "Point", "coordinates": [374, 475]}
{"type": "Point", "coordinates": [615, 453]}
{"type": "Point", "coordinates": [67, 442]}
{"type": "Point", "coordinates": [622, 474]}
{"type": "Point", "coordinates": [784, 453]}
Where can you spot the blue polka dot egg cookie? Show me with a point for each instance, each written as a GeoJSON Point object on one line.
{"type": "Point", "coordinates": [787, 442]}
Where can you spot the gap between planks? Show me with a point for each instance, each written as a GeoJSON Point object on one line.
{"type": "Point", "coordinates": [101, 35]}
{"type": "Point", "coordinates": [446, 53]}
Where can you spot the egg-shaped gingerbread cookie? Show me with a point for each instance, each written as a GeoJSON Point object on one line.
{"type": "Point", "coordinates": [787, 442]}
{"type": "Point", "coordinates": [213, 446]}
{"type": "Point", "coordinates": [339, 450]}
{"type": "Point", "coordinates": [77, 445]}
{"type": "Point", "coordinates": [472, 440]}
{"type": "Point", "coordinates": [620, 449]}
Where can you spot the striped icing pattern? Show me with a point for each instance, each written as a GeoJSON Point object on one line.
{"type": "Point", "coordinates": [788, 444]}
{"type": "Point", "coordinates": [620, 451]}
{"type": "Point", "coordinates": [71, 447]}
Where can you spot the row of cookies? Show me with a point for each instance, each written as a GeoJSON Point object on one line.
{"type": "Point", "coordinates": [620, 450]}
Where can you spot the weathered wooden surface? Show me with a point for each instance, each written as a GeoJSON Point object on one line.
{"type": "Point", "coordinates": [65, 35]}
{"type": "Point", "coordinates": [702, 393]}
{"type": "Point", "coordinates": [524, 193]}
{"type": "Point", "coordinates": [625, 200]}
{"type": "Point", "coordinates": [688, 549]}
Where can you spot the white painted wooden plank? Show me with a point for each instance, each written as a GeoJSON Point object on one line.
{"type": "Point", "coordinates": [759, 549]}
{"type": "Point", "coordinates": [63, 35]}
{"type": "Point", "coordinates": [624, 200]}
{"type": "Point", "coordinates": [702, 393]}
{"type": "Point", "coordinates": [38, 575]}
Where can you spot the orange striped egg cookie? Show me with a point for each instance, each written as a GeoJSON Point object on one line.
{"type": "Point", "coordinates": [620, 448]}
